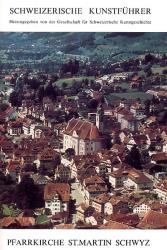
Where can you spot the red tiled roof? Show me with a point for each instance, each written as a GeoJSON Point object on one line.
{"type": "Point", "coordinates": [65, 226]}
{"type": "Point", "coordinates": [129, 219]}
{"type": "Point", "coordinates": [8, 77]}
{"type": "Point", "coordinates": [162, 156]}
{"type": "Point", "coordinates": [102, 198]}
{"type": "Point", "coordinates": [136, 78]}
{"type": "Point", "coordinates": [11, 167]}
{"type": "Point", "coordinates": [62, 189]}
{"type": "Point", "coordinates": [84, 129]}
{"type": "Point", "coordinates": [153, 220]}
{"type": "Point", "coordinates": [21, 221]}
{"type": "Point", "coordinates": [2, 129]}
{"type": "Point", "coordinates": [125, 112]}
{"type": "Point", "coordinates": [6, 113]}
{"type": "Point", "coordinates": [94, 180]}
{"type": "Point", "coordinates": [115, 225]}
{"type": "Point", "coordinates": [138, 177]}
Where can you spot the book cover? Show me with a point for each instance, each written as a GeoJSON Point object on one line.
{"type": "Point", "coordinates": [83, 124]}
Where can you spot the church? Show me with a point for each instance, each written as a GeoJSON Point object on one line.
{"type": "Point", "coordinates": [84, 136]}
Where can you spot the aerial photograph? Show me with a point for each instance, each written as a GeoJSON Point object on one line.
{"type": "Point", "coordinates": [83, 130]}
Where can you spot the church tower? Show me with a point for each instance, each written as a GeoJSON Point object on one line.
{"type": "Point", "coordinates": [99, 118]}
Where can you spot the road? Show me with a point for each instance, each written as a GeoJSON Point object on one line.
{"type": "Point", "coordinates": [76, 194]}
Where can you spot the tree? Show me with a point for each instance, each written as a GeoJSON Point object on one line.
{"type": "Point", "coordinates": [64, 85]}
{"type": "Point", "coordinates": [134, 158]}
{"type": "Point", "coordinates": [15, 99]}
{"type": "Point", "coordinates": [34, 83]}
{"type": "Point", "coordinates": [49, 89]}
{"type": "Point", "coordinates": [93, 103]}
{"type": "Point", "coordinates": [7, 194]}
{"type": "Point", "coordinates": [164, 71]}
{"type": "Point", "coordinates": [27, 194]}
{"type": "Point", "coordinates": [149, 58]}
{"type": "Point", "coordinates": [147, 104]}
{"type": "Point", "coordinates": [3, 107]}
{"type": "Point", "coordinates": [70, 152]}
{"type": "Point", "coordinates": [40, 93]}
{"type": "Point", "coordinates": [70, 115]}
{"type": "Point", "coordinates": [30, 168]}
{"type": "Point", "coordinates": [2, 178]}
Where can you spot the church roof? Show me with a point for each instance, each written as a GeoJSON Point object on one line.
{"type": "Point", "coordinates": [84, 129]}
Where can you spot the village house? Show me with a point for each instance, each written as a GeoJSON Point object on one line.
{"type": "Point", "coordinates": [137, 180]}
{"type": "Point", "coordinates": [73, 167]}
{"type": "Point", "coordinates": [8, 114]}
{"type": "Point", "coordinates": [80, 212]}
{"type": "Point", "coordinates": [142, 207]}
{"type": "Point", "coordinates": [2, 155]}
{"type": "Point", "coordinates": [130, 122]}
{"type": "Point", "coordinates": [141, 140]}
{"type": "Point", "coordinates": [57, 197]}
{"type": "Point", "coordinates": [11, 170]}
{"type": "Point", "coordinates": [119, 77]}
{"type": "Point", "coordinates": [136, 82]}
{"type": "Point", "coordinates": [41, 179]}
{"type": "Point", "coordinates": [93, 186]}
{"type": "Point", "coordinates": [161, 190]}
{"type": "Point", "coordinates": [145, 205]}
{"type": "Point", "coordinates": [99, 201]}
{"type": "Point", "coordinates": [129, 219]}
{"type": "Point", "coordinates": [131, 179]}
{"type": "Point", "coordinates": [8, 79]}
{"type": "Point", "coordinates": [25, 157]}
{"type": "Point", "coordinates": [49, 158]}
{"type": "Point", "coordinates": [102, 169]}
{"type": "Point", "coordinates": [116, 205]}
{"type": "Point", "coordinates": [94, 219]}
{"type": "Point", "coordinates": [118, 177]}
{"type": "Point", "coordinates": [14, 128]}
{"type": "Point", "coordinates": [62, 173]}
{"type": "Point", "coordinates": [83, 210]}
{"type": "Point", "coordinates": [26, 127]}
{"type": "Point", "coordinates": [159, 158]}
{"type": "Point", "coordinates": [60, 218]}
{"type": "Point", "coordinates": [137, 109]}
{"type": "Point", "coordinates": [7, 146]}
{"type": "Point", "coordinates": [120, 112]}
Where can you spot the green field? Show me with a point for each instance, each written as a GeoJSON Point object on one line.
{"type": "Point", "coordinates": [10, 210]}
{"type": "Point", "coordinates": [71, 80]}
{"type": "Point", "coordinates": [43, 219]}
{"type": "Point", "coordinates": [129, 95]}
{"type": "Point", "coordinates": [124, 85]}
{"type": "Point", "coordinates": [2, 85]}
{"type": "Point", "coordinates": [158, 69]}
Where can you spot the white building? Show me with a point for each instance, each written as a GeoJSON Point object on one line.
{"type": "Point", "coordinates": [57, 196]}
{"type": "Point", "coordinates": [161, 191]}
{"type": "Point", "coordinates": [141, 208]}
{"type": "Point", "coordinates": [83, 136]}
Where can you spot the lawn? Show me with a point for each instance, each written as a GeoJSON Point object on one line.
{"type": "Point", "coordinates": [124, 85]}
{"type": "Point", "coordinates": [130, 95]}
{"type": "Point", "coordinates": [10, 210]}
{"type": "Point", "coordinates": [158, 69]}
{"type": "Point", "coordinates": [70, 81]}
{"type": "Point", "coordinates": [43, 219]}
